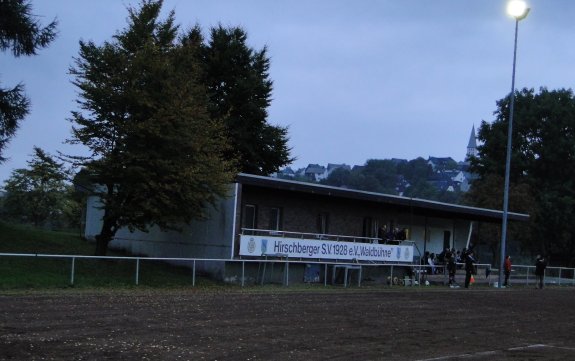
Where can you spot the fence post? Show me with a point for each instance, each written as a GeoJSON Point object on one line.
{"type": "Point", "coordinates": [137, 271]}
{"type": "Point", "coordinates": [194, 274]}
{"type": "Point", "coordinates": [243, 272]}
{"type": "Point", "coordinates": [286, 271]}
{"type": "Point", "coordinates": [391, 277]}
{"type": "Point", "coordinates": [72, 271]}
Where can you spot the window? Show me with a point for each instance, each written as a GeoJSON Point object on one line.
{"type": "Point", "coordinates": [367, 227]}
{"type": "Point", "coordinates": [446, 239]}
{"type": "Point", "coordinates": [275, 219]}
{"type": "Point", "coordinates": [250, 217]}
{"type": "Point", "coordinates": [323, 223]}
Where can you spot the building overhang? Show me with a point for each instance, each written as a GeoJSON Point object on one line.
{"type": "Point", "coordinates": [414, 205]}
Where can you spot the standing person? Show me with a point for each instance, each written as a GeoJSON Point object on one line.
{"type": "Point", "coordinates": [431, 262]}
{"type": "Point", "coordinates": [381, 234]}
{"type": "Point", "coordinates": [469, 266]}
{"type": "Point", "coordinates": [540, 265]}
{"type": "Point", "coordinates": [507, 270]}
{"type": "Point", "coordinates": [451, 268]}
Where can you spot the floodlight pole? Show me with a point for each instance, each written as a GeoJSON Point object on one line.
{"type": "Point", "coordinates": [508, 157]}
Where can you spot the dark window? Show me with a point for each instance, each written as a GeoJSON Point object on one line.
{"type": "Point", "coordinates": [250, 217]}
{"type": "Point", "coordinates": [446, 239]}
{"type": "Point", "coordinates": [367, 227]}
{"type": "Point", "coordinates": [323, 223]}
{"type": "Point", "coordinates": [275, 219]}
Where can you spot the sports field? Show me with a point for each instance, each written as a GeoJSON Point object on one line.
{"type": "Point", "coordinates": [346, 324]}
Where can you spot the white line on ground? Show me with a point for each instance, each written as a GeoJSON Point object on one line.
{"type": "Point", "coordinates": [493, 352]}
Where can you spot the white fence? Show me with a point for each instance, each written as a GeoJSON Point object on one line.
{"type": "Point", "coordinates": [521, 274]}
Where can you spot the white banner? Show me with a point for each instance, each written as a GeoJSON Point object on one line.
{"type": "Point", "coordinates": [311, 248]}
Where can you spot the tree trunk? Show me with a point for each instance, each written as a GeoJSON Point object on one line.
{"type": "Point", "coordinates": [105, 236]}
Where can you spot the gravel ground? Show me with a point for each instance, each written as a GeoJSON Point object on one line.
{"type": "Point", "coordinates": [433, 323]}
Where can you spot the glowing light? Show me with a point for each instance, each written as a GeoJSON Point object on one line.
{"type": "Point", "coordinates": [518, 9]}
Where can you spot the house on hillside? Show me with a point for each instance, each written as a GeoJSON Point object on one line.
{"type": "Point", "coordinates": [265, 218]}
{"type": "Point", "coordinates": [464, 180]}
{"type": "Point", "coordinates": [401, 185]}
{"type": "Point", "coordinates": [286, 173]}
{"type": "Point", "coordinates": [331, 167]}
{"type": "Point", "coordinates": [315, 172]}
{"type": "Point", "coordinates": [441, 164]}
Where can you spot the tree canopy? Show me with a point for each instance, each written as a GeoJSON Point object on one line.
{"type": "Point", "coordinates": [239, 90]}
{"type": "Point", "coordinates": [156, 155]}
{"type": "Point", "coordinates": [22, 34]}
{"type": "Point", "coordinates": [38, 193]}
{"type": "Point", "coordinates": [541, 176]}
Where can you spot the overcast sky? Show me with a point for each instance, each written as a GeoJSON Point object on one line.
{"type": "Point", "coordinates": [353, 80]}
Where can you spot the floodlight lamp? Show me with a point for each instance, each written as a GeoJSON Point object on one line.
{"type": "Point", "coordinates": [518, 9]}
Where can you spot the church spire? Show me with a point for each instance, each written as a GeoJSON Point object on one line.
{"type": "Point", "coordinates": [472, 145]}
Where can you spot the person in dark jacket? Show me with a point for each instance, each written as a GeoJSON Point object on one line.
{"type": "Point", "coordinates": [451, 267]}
{"type": "Point", "coordinates": [469, 259]}
{"type": "Point", "coordinates": [540, 265]}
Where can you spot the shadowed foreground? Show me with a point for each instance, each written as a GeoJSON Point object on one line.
{"type": "Point", "coordinates": [402, 324]}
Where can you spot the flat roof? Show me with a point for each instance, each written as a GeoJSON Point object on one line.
{"type": "Point", "coordinates": [420, 206]}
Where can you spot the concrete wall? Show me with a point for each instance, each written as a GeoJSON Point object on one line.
{"type": "Point", "coordinates": [93, 218]}
{"type": "Point", "coordinates": [211, 238]}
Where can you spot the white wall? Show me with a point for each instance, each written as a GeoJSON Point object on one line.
{"type": "Point", "coordinates": [211, 238]}
{"type": "Point", "coordinates": [435, 229]}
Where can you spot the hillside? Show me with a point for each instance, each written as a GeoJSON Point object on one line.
{"type": "Point", "coordinates": [26, 272]}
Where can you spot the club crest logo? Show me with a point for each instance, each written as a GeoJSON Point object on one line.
{"type": "Point", "coordinates": [398, 252]}
{"type": "Point", "coordinates": [406, 254]}
{"type": "Point", "coordinates": [251, 245]}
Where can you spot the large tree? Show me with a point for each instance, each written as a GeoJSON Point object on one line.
{"type": "Point", "coordinates": [156, 156]}
{"type": "Point", "coordinates": [239, 90]}
{"type": "Point", "coordinates": [21, 33]}
{"type": "Point", "coordinates": [542, 177]}
{"type": "Point", "coordinates": [38, 193]}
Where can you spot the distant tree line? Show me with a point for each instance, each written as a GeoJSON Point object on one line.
{"type": "Point", "coordinates": [390, 176]}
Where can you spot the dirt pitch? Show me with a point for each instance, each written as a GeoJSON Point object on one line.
{"type": "Point", "coordinates": [353, 324]}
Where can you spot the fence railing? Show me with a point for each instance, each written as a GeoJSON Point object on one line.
{"type": "Point", "coordinates": [321, 236]}
{"type": "Point", "coordinates": [520, 275]}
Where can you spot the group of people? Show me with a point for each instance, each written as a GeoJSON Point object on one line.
{"type": "Point", "coordinates": [392, 234]}
{"type": "Point", "coordinates": [450, 259]}
{"type": "Point", "coordinates": [540, 265]}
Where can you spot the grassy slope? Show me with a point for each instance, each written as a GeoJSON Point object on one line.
{"type": "Point", "coordinates": [23, 273]}
{"type": "Point", "coordinates": [38, 272]}
{"type": "Point", "coordinates": [25, 239]}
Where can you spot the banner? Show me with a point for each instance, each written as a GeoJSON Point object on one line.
{"type": "Point", "coordinates": [311, 248]}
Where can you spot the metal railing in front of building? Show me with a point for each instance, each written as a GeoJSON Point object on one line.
{"type": "Point", "coordinates": [409, 274]}
{"type": "Point", "coordinates": [307, 235]}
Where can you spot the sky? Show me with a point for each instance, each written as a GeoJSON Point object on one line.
{"type": "Point", "coordinates": [353, 80]}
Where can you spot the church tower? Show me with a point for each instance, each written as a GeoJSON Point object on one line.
{"type": "Point", "coordinates": [472, 145]}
